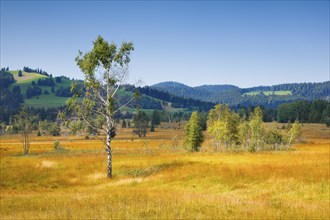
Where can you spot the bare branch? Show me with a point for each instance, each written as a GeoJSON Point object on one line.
{"type": "Point", "coordinates": [124, 74]}
{"type": "Point", "coordinates": [98, 112]}
{"type": "Point", "coordinates": [101, 98]}
{"type": "Point", "coordinates": [124, 105]}
{"type": "Point", "coordinates": [101, 139]}
{"type": "Point", "coordinates": [92, 126]}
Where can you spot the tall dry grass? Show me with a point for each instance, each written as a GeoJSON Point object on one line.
{"type": "Point", "coordinates": [153, 179]}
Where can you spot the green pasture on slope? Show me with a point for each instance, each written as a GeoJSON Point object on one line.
{"type": "Point", "coordinates": [269, 92]}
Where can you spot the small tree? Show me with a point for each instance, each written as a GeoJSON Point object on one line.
{"type": "Point", "coordinates": [244, 133]}
{"type": "Point", "coordinates": [2, 128]}
{"type": "Point", "coordinates": [155, 117]}
{"type": "Point", "coordinates": [105, 68]}
{"type": "Point", "coordinates": [141, 123]}
{"type": "Point", "coordinates": [75, 126]}
{"type": "Point", "coordinates": [20, 74]}
{"type": "Point", "coordinates": [294, 133]}
{"type": "Point", "coordinates": [123, 125]}
{"type": "Point", "coordinates": [274, 137]}
{"type": "Point", "coordinates": [256, 129]}
{"type": "Point", "coordinates": [23, 122]}
{"type": "Point", "coordinates": [55, 129]}
{"type": "Point", "coordinates": [152, 128]}
{"type": "Point", "coordinates": [222, 123]}
{"type": "Point", "coordinates": [193, 133]}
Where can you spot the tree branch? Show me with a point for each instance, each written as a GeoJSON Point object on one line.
{"type": "Point", "coordinates": [92, 126]}
{"type": "Point", "coordinates": [124, 105]}
{"type": "Point", "coordinates": [120, 81]}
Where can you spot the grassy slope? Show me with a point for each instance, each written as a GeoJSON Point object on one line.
{"type": "Point", "coordinates": [43, 100]}
{"type": "Point", "coordinates": [46, 101]}
{"type": "Point", "coordinates": [154, 180]}
{"type": "Point", "coordinates": [25, 81]}
{"type": "Point", "coordinates": [27, 77]}
{"type": "Point", "coordinates": [267, 93]}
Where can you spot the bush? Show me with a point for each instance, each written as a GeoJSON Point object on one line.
{"type": "Point", "coordinates": [55, 130]}
{"type": "Point", "coordinates": [57, 145]}
{"type": "Point", "coordinates": [274, 138]}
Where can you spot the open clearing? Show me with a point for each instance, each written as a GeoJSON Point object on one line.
{"type": "Point", "coordinates": [27, 77]}
{"type": "Point", "coordinates": [268, 93]}
{"type": "Point", "coordinates": [43, 100]}
{"type": "Point", "coordinates": [154, 178]}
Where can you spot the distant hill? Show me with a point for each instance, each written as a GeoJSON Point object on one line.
{"type": "Point", "coordinates": [270, 96]}
{"type": "Point", "coordinates": [57, 91]}
{"type": "Point", "coordinates": [206, 93]}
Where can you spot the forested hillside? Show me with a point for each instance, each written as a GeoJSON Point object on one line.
{"type": "Point", "coordinates": [270, 96]}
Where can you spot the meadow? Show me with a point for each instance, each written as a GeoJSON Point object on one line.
{"type": "Point", "coordinates": [156, 178]}
{"type": "Point", "coordinates": [43, 100]}
{"type": "Point", "coordinates": [268, 93]}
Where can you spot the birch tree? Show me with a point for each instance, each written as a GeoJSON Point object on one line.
{"type": "Point", "coordinates": [293, 133]}
{"type": "Point", "coordinates": [222, 123]}
{"type": "Point", "coordinates": [105, 68]}
{"type": "Point", "coordinates": [256, 129]}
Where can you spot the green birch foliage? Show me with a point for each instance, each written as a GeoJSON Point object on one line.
{"type": "Point", "coordinates": [105, 68]}
{"type": "Point", "coordinates": [193, 133]}
{"type": "Point", "coordinates": [223, 124]}
{"type": "Point", "coordinates": [256, 129]}
{"type": "Point", "coordinates": [244, 133]}
{"type": "Point", "coordinates": [293, 133]}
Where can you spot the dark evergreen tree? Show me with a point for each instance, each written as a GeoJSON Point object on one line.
{"type": "Point", "coordinates": [123, 125]}
{"type": "Point", "coordinates": [58, 79]}
{"type": "Point", "coordinates": [155, 117]}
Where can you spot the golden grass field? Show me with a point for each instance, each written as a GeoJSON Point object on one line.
{"type": "Point", "coordinates": [154, 179]}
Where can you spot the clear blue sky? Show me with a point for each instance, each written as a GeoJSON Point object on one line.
{"type": "Point", "coordinates": [245, 43]}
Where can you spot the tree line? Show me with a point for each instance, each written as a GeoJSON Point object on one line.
{"type": "Point", "coordinates": [37, 70]}
{"type": "Point", "coordinates": [232, 132]}
{"type": "Point", "coordinates": [317, 111]}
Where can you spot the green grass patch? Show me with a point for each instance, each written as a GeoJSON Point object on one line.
{"type": "Point", "coordinates": [46, 101]}
{"type": "Point", "coordinates": [268, 93]}
{"type": "Point", "coordinates": [26, 78]}
{"type": "Point", "coordinates": [41, 101]}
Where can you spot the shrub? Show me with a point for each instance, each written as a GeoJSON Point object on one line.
{"type": "Point", "coordinates": [57, 145]}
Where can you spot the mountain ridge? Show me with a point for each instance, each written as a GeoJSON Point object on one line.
{"type": "Point", "coordinates": [161, 84]}
{"type": "Point", "coordinates": [259, 95]}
